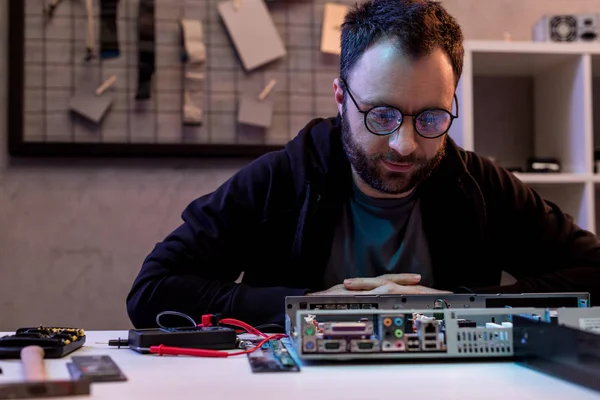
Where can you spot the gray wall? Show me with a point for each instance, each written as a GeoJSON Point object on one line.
{"type": "Point", "coordinates": [73, 234]}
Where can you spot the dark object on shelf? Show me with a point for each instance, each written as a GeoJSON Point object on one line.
{"type": "Point", "coordinates": [543, 164]}
{"type": "Point", "coordinates": [564, 352]}
{"type": "Point", "coordinates": [514, 169]}
{"type": "Point", "coordinates": [56, 342]}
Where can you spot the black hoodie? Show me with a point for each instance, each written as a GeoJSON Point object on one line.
{"type": "Point", "coordinates": [275, 218]}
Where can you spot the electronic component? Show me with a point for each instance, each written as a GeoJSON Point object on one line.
{"type": "Point", "coordinates": [543, 164]}
{"type": "Point", "coordinates": [97, 368]}
{"type": "Point", "coordinates": [566, 28]}
{"type": "Point", "coordinates": [56, 342]}
{"type": "Point", "coordinates": [586, 319]}
{"type": "Point", "coordinates": [559, 350]}
{"type": "Point", "coordinates": [364, 334]}
{"type": "Point", "coordinates": [428, 301]}
{"type": "Point", "coordinates": [212, 337]}
{"type": "Point", "coordinates": [272, 356]}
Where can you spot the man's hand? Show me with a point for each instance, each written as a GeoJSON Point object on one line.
{"type": "Point", "coordinates": [337, 290]}
{"type": "Point", "coordinates": [384, 284]}
{"type": "Point", "coordinates": [390, 284]}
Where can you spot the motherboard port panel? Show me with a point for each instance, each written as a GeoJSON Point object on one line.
{"type": "Point", "coordinates": [446, 333]}
{"type": "Point", "coordinates": [403, 302]}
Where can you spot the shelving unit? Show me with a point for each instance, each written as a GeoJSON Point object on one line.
{"type": "Point", "coordinates": [533, 99]}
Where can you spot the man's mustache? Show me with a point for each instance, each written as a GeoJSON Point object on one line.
{"type": "Point", "coordinates": [399, 158]}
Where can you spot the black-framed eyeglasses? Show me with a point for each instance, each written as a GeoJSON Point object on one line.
{"type": "Point", "coordinates": [430, 123]}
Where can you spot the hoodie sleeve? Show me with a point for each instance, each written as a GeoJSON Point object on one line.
{"type": "Point", "coordinates": [539, 243]}
{"type": "Point", "coordinates": [193, 270]}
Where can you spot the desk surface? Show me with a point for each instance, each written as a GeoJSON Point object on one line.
{"type": "Point", "coordinates": [179, 377]}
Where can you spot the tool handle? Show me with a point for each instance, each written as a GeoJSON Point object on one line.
{"type": "Point", "coordinates": [106, 85]}
{"type": "Point", "coordinates": [267, 90]}
{"type": "Point", "coordinates": [32, 360]}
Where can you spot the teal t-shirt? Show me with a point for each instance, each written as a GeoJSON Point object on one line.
{"type": "Point", "coordinates": [379, 236]}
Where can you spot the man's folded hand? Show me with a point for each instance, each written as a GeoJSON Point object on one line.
{"type": "Point", "coordinates": [384, 284]}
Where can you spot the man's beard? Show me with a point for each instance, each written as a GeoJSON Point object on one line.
{"type": "Point", "coordinates": [370, 170]}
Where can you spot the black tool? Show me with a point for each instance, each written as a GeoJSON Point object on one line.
{"type": "Point", "coordinates": [213, 337]}
{"type": "Point", "coordinates": [146, 48]}
{"type": "Point", "coordinates": [56, 342]}
{"type": "Point", "coordinates": [109, 35]}
{"type": "Point", "coordinates": [98, 368]}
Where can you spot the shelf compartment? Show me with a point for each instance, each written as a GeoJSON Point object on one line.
{"type": "Point", "coordinates": [532, 104]}
{"type": "Point", "coordinates": [553, 178]}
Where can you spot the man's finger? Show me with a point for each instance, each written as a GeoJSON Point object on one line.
{"type": "Point", "coordinates": [365, 283]}
{"type": "Point", "coordinates": [393, 288]}
{"type": "Point", "coordinates": [403, 279]}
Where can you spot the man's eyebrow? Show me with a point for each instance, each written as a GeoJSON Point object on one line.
{"type": "Point", "coordinates": [380, 102]}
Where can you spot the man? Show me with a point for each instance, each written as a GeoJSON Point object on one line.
{"type": "Point", "coordinates": [376, 200]}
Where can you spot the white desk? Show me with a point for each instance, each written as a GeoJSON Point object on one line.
{"type": "Point", "coordinates": [180, 378]}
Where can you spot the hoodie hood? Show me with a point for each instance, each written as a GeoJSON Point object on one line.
{"type": "Point", "coordinates": [316, 154]}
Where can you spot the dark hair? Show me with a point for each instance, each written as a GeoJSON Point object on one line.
{"type": "Point", "coordinates": [418, 27]}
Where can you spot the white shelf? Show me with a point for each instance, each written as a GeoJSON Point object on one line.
{"type": "Point", "coordinates": [531, 99]}
{"type": "Point", "coordinates": [554, 178]}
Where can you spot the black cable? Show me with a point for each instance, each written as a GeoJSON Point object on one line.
{"type": "Point", "coordinates": [176, 313]}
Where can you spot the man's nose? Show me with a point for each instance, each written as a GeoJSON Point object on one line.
{"type": "Point", "coordinates": [403, 141]}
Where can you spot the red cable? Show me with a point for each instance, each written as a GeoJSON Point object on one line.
{"type": "Point", "coordinates": [240, 324]}
{"type": "Point", "coordinates": [206, 321]}
{"type": "Point", "coordinates": [182, 351]}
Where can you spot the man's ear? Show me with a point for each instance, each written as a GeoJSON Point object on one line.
{"type": "Point", "coordinates": [338, 94]}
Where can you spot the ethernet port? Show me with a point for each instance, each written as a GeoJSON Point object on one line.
{"type": "Point", "coordinates": [430, 327]}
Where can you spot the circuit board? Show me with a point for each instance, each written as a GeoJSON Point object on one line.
{"type": "Point", "coordinates": [408, 334]}
{"type": "Point", "coordinates": [294, 304]}
{"type": "Point", "coordinates": [272, 356]}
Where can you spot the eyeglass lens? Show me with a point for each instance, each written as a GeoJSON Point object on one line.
{"type": "Point", "coordinates": [383, 120]}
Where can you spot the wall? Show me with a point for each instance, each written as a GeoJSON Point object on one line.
{"type": "Point", "coordinates": [73, 234]}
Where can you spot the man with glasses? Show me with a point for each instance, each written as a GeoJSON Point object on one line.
{"type": "Point", "coordinates": [378, 199]}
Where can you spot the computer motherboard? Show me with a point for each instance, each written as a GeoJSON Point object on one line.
{"type": "Point", "coordinates": [425, 333]}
